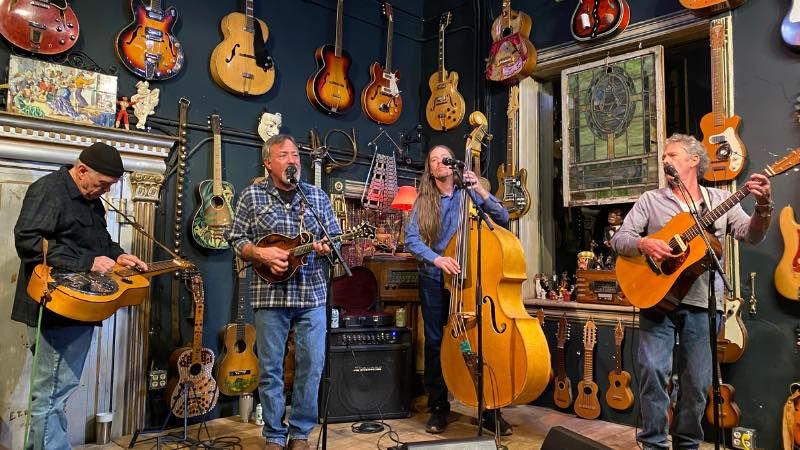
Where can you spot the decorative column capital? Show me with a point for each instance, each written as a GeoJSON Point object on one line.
{"type": "Point", "coordinates": [145, 186]}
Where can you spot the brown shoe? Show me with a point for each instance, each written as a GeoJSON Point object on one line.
{"type": "Point", "coordinates": [273, 446]}
{"type": "Point", "coordinates": [299, 444]}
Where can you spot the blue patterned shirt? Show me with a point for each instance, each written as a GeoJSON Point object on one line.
{"type": "Point", "coordinates": [259, 212]}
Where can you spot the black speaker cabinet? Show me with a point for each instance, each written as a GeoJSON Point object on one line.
{"type": "Point", "coordinates": [560, 438]}
{"type": "Point", "coordinates": [370, 375]}
{"type": "Point", "coordinates": [476, 443]}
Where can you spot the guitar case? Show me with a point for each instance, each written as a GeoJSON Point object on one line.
{"type": "Point", "coordinates": [357, 299]}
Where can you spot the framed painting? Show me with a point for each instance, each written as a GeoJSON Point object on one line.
{"type": "Point", "coordinates": [42, 89]}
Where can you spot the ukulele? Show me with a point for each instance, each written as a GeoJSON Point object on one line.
{"type": "Point", "coordinates": [732, 337]}
{"type": "Point", "coordinates": [645, 282]}
{"type": "Point", "coordinates": [299, 246]}
{"type": "Point", "coordinates": [787, 272]}
{"type": "Point", "coordinates": [512, 57]}
{"type": "Point", "coordinates": [726, 151]}
{"type": "Point", "coordinates": [241, 63]}
{"type": "Point", "coordinates": [511, 184]}
{"type": "Point", "coordinates": [238, 367]}
{"type": "Point", "coordinates": [194, 365]}
{"type": "Point", "coordinates": [587, 405]}
{"type": "Point", "coordinates": [790, 27]}
{"type": "Point", "coordinates": [146, 46]}
{"type": "Point", "coordinates": [562, 392]}
{"type": "Point", "coordinates": [619, 395]}
{"type": "Point", "coordinates": [214, 214]}
{"type": "Point", "coordinates": [329, 89]}
{"type": "Point", "coordinates": [596, 19]}
{"type": "Point", "coordinates": [445, 108]}
{"type": "Point", "coordinates": [45, 27]}
{"type": "Point", "coordinates": [729, 412]}
{"type": "Point", "coordinates": [380, 99]}
{"type": "Point", "coordinates": [711, 6]}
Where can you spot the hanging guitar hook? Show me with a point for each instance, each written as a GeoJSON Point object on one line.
{"type": "Point", "coordinates": [334, 163]}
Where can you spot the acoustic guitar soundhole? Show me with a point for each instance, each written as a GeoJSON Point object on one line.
{"type": "Point", "coordinates": [671, 265]}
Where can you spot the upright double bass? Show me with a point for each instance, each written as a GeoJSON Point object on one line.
{"type": "Point", "coordinates": [516, 357]}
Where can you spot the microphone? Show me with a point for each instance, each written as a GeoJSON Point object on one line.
{"type": "Point", "coordinates": [670, 170]}
{"type": "Point", "coordinates": [291, 172]}
{"type": "Point", "coordinates": [453, 163]}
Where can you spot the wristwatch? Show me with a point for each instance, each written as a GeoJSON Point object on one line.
{"type": "Point", "coordinates": [765, 210]}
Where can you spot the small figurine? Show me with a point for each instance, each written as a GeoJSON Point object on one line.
{"type": "Point", "coordinates": [269, 125]}
{"type": "Point", "coordinates": [537, 286]}
{"type": "Point", "coordinates": [563, 287]}
{"type": "Point", "coordinates": [614, 222]}
{"type": "Point", "coordinates": [144, 102]}
{"type": "Point", "coordinates": [583, 259]}
{"type": "Point", "coordinates": [122, 115]}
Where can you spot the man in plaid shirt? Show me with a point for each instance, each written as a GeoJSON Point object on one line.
{"type": "Point", "coordinates": [273, 206]}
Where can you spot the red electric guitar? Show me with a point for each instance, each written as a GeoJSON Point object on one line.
{"type": "Point", "coordinates": [596, 19]}
{"type": "Point", "coordinates": [46, 27]}
{"type": "Point", "coordinates": [381, 99]}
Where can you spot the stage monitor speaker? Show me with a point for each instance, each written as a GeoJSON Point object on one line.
{"type": "Point", "coordinates": [370, 375]}
{"type": "Point", "coordinates": [560, 438]}
{"type": "Point", "coordinates": [476, 443]}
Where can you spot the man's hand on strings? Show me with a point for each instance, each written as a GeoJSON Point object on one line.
{"type": "Point", "coordinates": [447, 264]}
{"type": "Point", "coordinates": [759, 186]}
{"type": "Point", "coordinates": [322, 247]}
{"type": "Point", "coordinates": [277, 259]}
{"type": "Point", "coordinates": [655, 248]}
{"type": "Point", "coordinates": [128, 260]}
{"type": "Point", "coordinates": [471, 182]}
{"type": "Point", "coordinates": [102, 264]}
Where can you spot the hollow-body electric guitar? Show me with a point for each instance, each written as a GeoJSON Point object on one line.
{"type": "Point", "coordinates": [46, 27]}
{"type": "Point", "coordinates": [146, 46]}
{"type": "Point", "coordinates": [380, 99]}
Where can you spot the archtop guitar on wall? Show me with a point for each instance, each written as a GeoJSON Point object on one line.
{"type": "Point", "coordinates": [329, 89]}
{"type": "Point", "coordinates": [147, 46]}
{"type": "Point", "coordinates": [380, 99]}
{"type": "Point", "coordinates": [445, 108]}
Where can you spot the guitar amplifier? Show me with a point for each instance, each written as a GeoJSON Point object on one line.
{"type": "Point", "coordinates": [600, 287]}
{"type": "Point", "coordinates": [398, 277]}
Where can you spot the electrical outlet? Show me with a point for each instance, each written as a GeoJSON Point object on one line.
{"type": "Point", "coordinates": [156, 379]}
{"type": "Point", "coordinates": [744, 438]}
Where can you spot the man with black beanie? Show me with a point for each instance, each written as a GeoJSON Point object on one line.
{"type": "Point", "coordinates": [64, 208]}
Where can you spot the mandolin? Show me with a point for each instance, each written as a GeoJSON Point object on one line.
{"type": "Point", "coordinates": [787, 272]}
{"type": "Point", "coordinates": [329, 89]}
{"type": "Point", "coordinates": [587, 405]}
{"type": "Point", "coordinates": [45, 27]}
{"type": "Point", "coordinates": [711, 6]}
{"type": "Point", "coordinates": [94, 296]}
{"type": "Point", "coordinates": [238, 366]}
{"type": "Point", "coordinates": [241, 63]}
{"type": "Point", "coordinates": [147, 46]}
{"type": "Point", "coordinates": [725, 149]}
{"type": "Point", "coordinates": [214, 214]}
{"type": "Point", "coordinates": [511, 184]}
{"type": "Point", "coordinates": [380, 99]}
{"type": "Point", "coordinates": [729, 412]}
{"type": "Point", "coordinates": [445, 108]}
{"type": "Point", "coordinates": [194, 365]}
{"type": "Point", "coordinates": [512, 57]}
{"type": "Point", "coordinates": [619, 395]}
{"type": "Point", "coordinates": [597, 19]}
{"type": "Point", "coordinates": [645, 282]}
{"type": "Point", "coordinates": [790, 27]}
{"type": "Point", "coordinates": [299, 246]}
{"type": "Point", "coordinates": [562, 392]}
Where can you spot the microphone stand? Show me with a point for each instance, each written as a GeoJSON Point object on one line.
{"type": "Point", "coordinates": [337, 257]}
{"type": "Point", "coordinates": [714, 266]}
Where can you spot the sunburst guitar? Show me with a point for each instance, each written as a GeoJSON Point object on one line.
{"type": "Point", "coordinates": [147, 46]}
{"type": "Point", "coordinates": [380, 99]}
{"type": "Point", "coordinates": [330, 89]}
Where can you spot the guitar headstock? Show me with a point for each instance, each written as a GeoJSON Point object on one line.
{"type": "Point", "coordinates": [782, 165]}
{"type": "Point", "coordinates": [513, 101]}
{"type": "Point", "coordinates": [444, 21]}
{"type": "Point", "coordinates": [716, 34]}
{"type": "Point", "coordinates": [563, 331]}
{"type": "Point", "coordinates": [589, 335]}
{"type": "Point", "coordinates": [215, 122]}
{"type": "Point", "coordinates": [197, 288]}
{"type": "Point", "coordinates": [619, 333]}
{"type": "Point", "coordinates": [388, 12]}
{"type": "Point", "coordinates": [479, 134]}
{"type": "Point", "coordinates": [364, 230]}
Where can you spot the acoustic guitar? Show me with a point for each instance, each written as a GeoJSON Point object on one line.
{"type": "Point", "coordinates": [729, 412]}
{"type": "Point", "coordinates": [787, 272]}
{"type": "Point", "coordinates": [645, 282]}
{"type": "Point", "coordinates": [241, 63]}
{"type": "Point", "coordinates": [299, 246]}
{"type": "Point", "coordinates": [238, 367]}
{"type": "Point", "coordinates": [619, 395]}
{"type": "Point", "coordinates": [214, 214]}
{"type": "Point", "coordinates": [587, 405]}
{"type": "Point", "coordinates": [711, 6]}
{"type": "Point", "coordinates": [45, 27]}
{"type": "Point", "coordinates": [511, 183]}
{"type": "Point", "coordinates": [597, 19]}
{"type": "Point", "coordinates": [790, 27]}
{"type": "Point", "coordinates": [329, 89]}
{"type": "Point", "coordinates": [562, 392]}
{"type": "Point", "coordinates": [725, 149]}
{"type": "Point", "coordinates": [147, 46]}
{"type": "Point", "coordinates": [194, 365]}
{"type": "Point", "coordinates": [380, 99]}
{"type": "Point", "coordinates": [445, 108]}
{"type": "Point", "coordinates": [512, 57]}
{"type": "Point", "coordinates": [94, 296]}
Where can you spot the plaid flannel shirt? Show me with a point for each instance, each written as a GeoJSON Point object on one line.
{"type": "Point", "coordinates": [259, 212]}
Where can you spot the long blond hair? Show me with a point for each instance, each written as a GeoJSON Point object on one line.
{"type": "Point", "coordinates": [426, 207]}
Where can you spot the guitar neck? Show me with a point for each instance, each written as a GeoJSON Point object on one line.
{"type": "Point", "coordinates": [317, 163]}
{"type": "Point", "coordinates": [249, 21]}
{"type": "Point", "coordinates": [440, 68]}
{"type": "Point", "coordinates": [154, 268]}
{"type": "Point", "coordinates": [561, 368]}
{"type": "Point", "coordinates": [155, 6]}
{"type": "Point", "coordinates": [511, 142]}
{"type": "Point", "coordinates": [240, 307]}
{"type": "Point", "coordinates": [717, 73]}
{"type": "Point", "coordinates": [199, 310]}
{"type": "Point", "coordinates": [304, 249]}
{"type": "Point", "coordinates": [618, 358]}
{"type": "Point", "coordinates": [588, 365]}
{"type": "Point", "coordinates": [389, 34]}
{"type": "Point", "coordinates": [217, 177]}
{"type": "Point", "coordinates": [717, 212]}
{"type": "Point", "coordinates": [339, 20]}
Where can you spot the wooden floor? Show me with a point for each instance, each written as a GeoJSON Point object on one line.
{"type": "Point", "coordinates": [531, 424]}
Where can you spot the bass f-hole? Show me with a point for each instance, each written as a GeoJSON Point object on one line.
{"type": "Point", "coordinates": [493, 314]}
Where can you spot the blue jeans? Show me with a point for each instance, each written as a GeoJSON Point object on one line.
{"type": "Point", "coordinates": [435, 301]}
{"type": "Point", "coordinates": [272, 326]}
{"type": "Point", "coordinates": [657, 339]}
{"type": "Point", "coordinates": [62, 354]}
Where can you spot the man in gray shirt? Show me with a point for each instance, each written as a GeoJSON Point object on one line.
{"type": "Point", "coordinates": [657, 330]}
